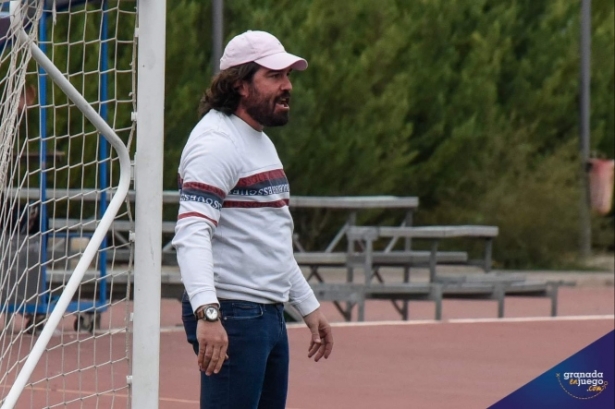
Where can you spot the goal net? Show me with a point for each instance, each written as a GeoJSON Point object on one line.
{"type": "Point", "coordinates": [63, 179]}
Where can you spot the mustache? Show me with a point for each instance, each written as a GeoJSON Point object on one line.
{"type": "Point", "coordinates": [284, 95]}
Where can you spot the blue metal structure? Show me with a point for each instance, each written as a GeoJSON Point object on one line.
{"type": "Point", "coordinates": [46, 304]}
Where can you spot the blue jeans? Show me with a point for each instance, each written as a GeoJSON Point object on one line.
{"type": "Point", "coordinates": [256, 374]}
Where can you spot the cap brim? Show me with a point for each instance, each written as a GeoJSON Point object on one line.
{"type": "Point", "coordinates": [282, 61]}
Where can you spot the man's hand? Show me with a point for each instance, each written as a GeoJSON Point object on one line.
{"type": "Point", "coordinates": [213, 343]}
{"type": "Point", "coordinates": [322, 338]}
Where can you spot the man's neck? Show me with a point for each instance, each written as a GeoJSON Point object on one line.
{"type": "Point", "coordinates": [244, 116]}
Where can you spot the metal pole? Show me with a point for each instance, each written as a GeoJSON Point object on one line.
{"type": "Point", "coordinates": [217, 20]}
{"type": "Point", "coordinates": [103, 154]}
{"type": "Point", "coordinates": [43, 213]}
{"type": "Point", "coordinates": [148, 204]}
{"type": "Point", "coordinates": [584, 109]}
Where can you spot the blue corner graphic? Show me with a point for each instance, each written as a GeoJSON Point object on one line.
{"type": "Point", "coordinates": [585, 380]}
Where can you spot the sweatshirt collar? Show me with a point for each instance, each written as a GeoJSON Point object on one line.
{"type": "Point", "coordinates": [243, 127]}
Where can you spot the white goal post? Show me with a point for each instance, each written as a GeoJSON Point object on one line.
{"type": "Point", "coordinates": [73, 74]}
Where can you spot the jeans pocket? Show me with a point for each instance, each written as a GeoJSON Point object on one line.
{"type": "Point", "coordinates": [241, 310]}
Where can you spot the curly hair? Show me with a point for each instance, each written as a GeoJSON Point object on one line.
{"type": "Point", "coordinates": [222, 94]}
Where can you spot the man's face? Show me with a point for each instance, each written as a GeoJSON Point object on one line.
{"type": "Point", "coordinates": [267, 97]}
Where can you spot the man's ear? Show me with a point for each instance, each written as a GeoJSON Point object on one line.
{"type": "Point", "coordinates": [242, 88]}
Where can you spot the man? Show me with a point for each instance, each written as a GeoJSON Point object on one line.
{"type": "Point", "coordinates": [234, 233]}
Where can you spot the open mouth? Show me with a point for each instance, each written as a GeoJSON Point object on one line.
{"type": "Point", "coordinates": [283, 102]}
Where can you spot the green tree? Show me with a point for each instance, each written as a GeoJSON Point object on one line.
{"type": "Point", "coordinates": [469, 104]}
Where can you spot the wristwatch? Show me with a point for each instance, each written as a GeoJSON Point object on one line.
{"type": "Point", "coordinates": [209, 313]}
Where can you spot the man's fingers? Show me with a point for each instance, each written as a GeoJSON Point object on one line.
{"type": "Point", "coordinates": [212, 357]}
{"type": "Point", "coordinates": [328, 342]}
{"type": "Point", "coordinates": [209, 352]}
{"type": "Point", "coordinates": [321, 343]}
{"type": "Point", "coordinates": [201, 356]}
{"type": "Point", "coordinates": [314, 345]}
{"type": "Point", "coordinates": [213, 345]}
{"type": "Point", "coordinates": [213, 362]}
{"type": "Point", "coordinates": [328, 349]}
{"type": "Point", "coordinates": [322, 350]}
{"type": "Point", "coordinates": [323, 346]}
{"type": "Point", "coordinates": [222, 357]}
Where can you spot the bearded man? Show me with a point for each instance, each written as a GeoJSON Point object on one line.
{"type": "Point", "coordinates": [234, 233]}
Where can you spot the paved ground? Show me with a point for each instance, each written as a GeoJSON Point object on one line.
{"type": "Point", "coordinates": [469, 360]}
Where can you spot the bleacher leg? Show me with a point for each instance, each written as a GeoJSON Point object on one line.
{"type": "Point", "coordinates": [554, 290]}
{"type": "Point", "coordinates": [436, 294]}
{"type": "Point", "coordinates": [499, 295]}
{"type": "Point", "coordinates": [488, 253]}
{"type": "Point", "coordinates": [404, 310]}
{"type": "Point", "coordinates": [433, 261]}
{"type": "Point", "coordinates": [361, 310]}
{"type": "Point", "coordinates": [349, 304]}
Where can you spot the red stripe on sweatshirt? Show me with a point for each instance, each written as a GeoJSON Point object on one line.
{"type": "Point", "coordinates": [260, 177]}
{"type": "Point", "coordinates": [196, 214]}
{"type": "Point", "coordinates": [204, 188]}
{"type": "Point", "coordinates": [253, 205]}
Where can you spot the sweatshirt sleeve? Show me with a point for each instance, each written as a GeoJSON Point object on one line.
{"type": "Point", "coordinates": [301, 295]}
{"type": "Point", "coordinates": [208, 170]}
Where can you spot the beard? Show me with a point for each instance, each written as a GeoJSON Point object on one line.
{"type": "Point", "coordinates": [262, 109]}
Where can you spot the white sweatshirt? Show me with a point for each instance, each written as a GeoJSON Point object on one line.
{"type": "Point", "coordinates": [234, 230]}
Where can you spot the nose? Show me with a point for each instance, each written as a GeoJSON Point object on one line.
{"type": "Point", "coordinates": [286, 84]}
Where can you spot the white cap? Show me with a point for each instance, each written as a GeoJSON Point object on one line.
{"type": "Point", "coordinates": [262, 48]}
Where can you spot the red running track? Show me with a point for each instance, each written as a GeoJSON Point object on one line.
{"type": "Point", "coordinates": [419, 365]}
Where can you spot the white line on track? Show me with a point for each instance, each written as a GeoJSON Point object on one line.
{"type": "Point", "coordinates": [450, 321]}
{"type": "Point", "coordinates": [180, 328]}
{"type": "Point", "coordinates": [467, 321]}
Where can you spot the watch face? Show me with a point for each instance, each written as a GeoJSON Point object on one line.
{"type": "Point", "coordinates": [211, 313]}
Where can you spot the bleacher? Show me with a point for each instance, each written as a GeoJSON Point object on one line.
{"type": "Point", "coordinates": [369, 249]}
